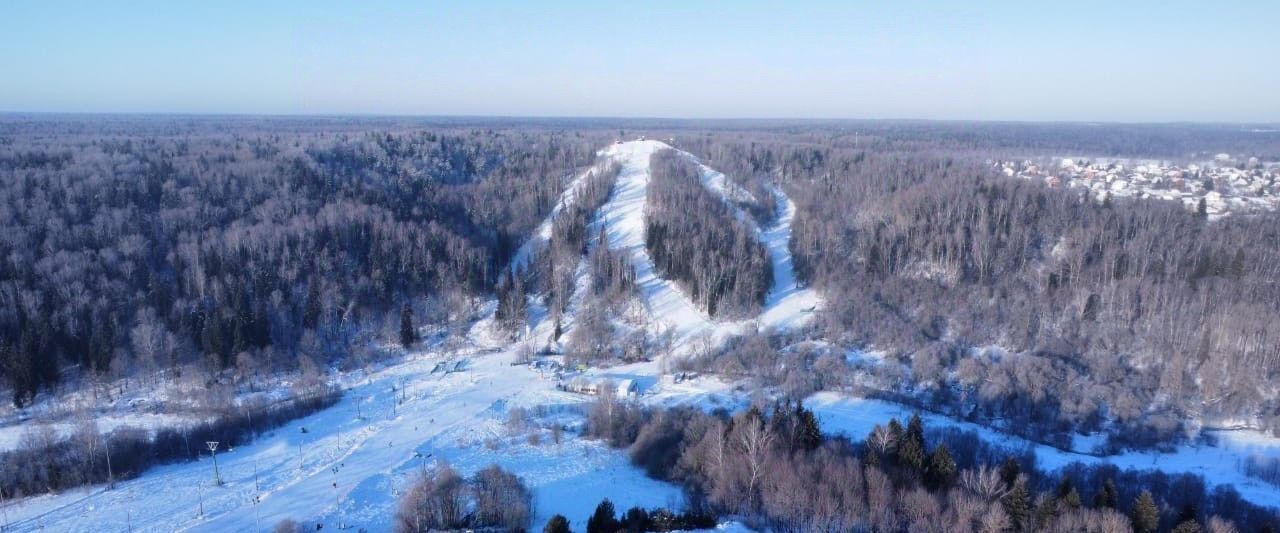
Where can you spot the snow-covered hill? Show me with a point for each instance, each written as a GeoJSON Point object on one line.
{"type": "Point", "coordinates": [787, 305]}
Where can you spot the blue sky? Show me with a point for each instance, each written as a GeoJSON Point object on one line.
{"type": "Point", "coordinates": [1104, 61]}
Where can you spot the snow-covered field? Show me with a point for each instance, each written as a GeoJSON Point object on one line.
{"type": "Point", "coordinates": [350, 463]}
{"type": "Point", "coordinates": [290, 473]}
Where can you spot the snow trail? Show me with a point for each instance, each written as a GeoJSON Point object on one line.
{"type": "Point", "coordinates": [787, 305]}
{"type": "Point", "coordinates": [542, 233]}
{"type": "Point", "coordinates": [623, 216]}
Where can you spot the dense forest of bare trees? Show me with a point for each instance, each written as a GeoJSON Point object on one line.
{"type": "Point", "coordinates": [149, 245]}
{"type": "Point", "coordinates": [1131, 317]}
{"type": "Point", "coordinates": [695, 239]}
{"type": "Point", "coordinates": [774, 468]}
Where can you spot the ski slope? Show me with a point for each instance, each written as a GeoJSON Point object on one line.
{"type": "Point", "coordinates": [623, 218]}
{"type": "Point", "coordinates": [542, 233]}
{"type": "Point", "coordinates": [787, 305]}
{"type": "Point", "coordinates": [371, 454]}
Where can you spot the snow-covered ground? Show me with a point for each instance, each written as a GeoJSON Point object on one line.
{"type": "Point", "coordinates": [351, 462]}
{"type": "Point", "coordinates": [542, 233]}
{"type": "Point", "coordinates": [787, 305]}
{"type": "Point", "coordinates": [11, 435]}
{"type": "Point", "coordinates": [623, 217]}
{"type": "Point", "coordinates": [461, 418]}
{"type": "Point", "coordinates": [290, 473]}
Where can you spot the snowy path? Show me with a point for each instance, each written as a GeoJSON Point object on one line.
{"type": "Point", "coordinates": [542, 233]}
{"type": "Point", "coordinates": [786, 306]}
{"type": "Point", "coordinates": [623, 216]}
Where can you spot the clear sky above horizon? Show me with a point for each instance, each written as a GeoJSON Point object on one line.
{"type": "Point", "coordinates": [1086, 61]}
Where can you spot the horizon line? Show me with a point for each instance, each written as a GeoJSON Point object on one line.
{"type": "Point", "coordinates": [617, 118]}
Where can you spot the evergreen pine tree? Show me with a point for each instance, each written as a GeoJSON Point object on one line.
{"type": "Point", "coordinates": [915, 430]}
{"type": "Point", "coordinates": [1017, 504]}
{"type": "Point", "coordinates": [311, 315]}
{"type": "Point", "coordinates": [19, 367]}
{"type": "Point", "coordinates": [1145, 514]}
{"type": "Point", "coordinates": [895, 432]}
{"type": "Point", "coordinates": [636, 520]}
{"type": "Point", "coordinates": [1106, 498]}
{"type": "Point", "coordinates": [911, 455]}
{"type": "Point", "coordinates": [1189, 526]}
{"type": "Point", "coordinates": [1066, 494]}
{"type": "Point", "coordinates": [1046, 512]}
{"type": "Point", "coordinates": [1071, 499]}
{"type": "Point", "coordinates": [1186, 514]}
{"type": "Point", "coordinates": [211, 341]}
{"type": "Point", "coordinates": [408, 334]}
{"type": "Point", "coordinates": [808, 434]}
{"type": "Point", "coordinates": [557, 524]}
{"type": "Point", "coordinates": [1009, 471]}
{"type": "Point", "coordinates": [239, 336]}
{"type": "Point", "coordinates": [603, 519]}
{"type": "Point", "coordinates": [911, 451]}
{"type": "Point", "coordinates": [942, 468]}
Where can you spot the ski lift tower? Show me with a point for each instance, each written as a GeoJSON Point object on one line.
{"type": "Point", "coordinates": [213, 452]}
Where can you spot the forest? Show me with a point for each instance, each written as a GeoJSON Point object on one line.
{"type": "Point", "coordinates": [161, 248]}
{"type": "Point", "coordinates": [1013, 302]}
{"type": "Point", "coordinates": [148, 246]}
{"type": "Point", "coordinates": [773, 467]}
